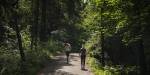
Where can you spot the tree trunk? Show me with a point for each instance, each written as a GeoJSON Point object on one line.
{"type": "Point", "coordinates": [16, 17]}
{"type": "Point", "coordinates": [43, 30]}
{"type": "Point", "coordinates": [34, 29]}
{"type": "Point", "coordinates": [102, 48]}
{"type": "Point", "coordinates": [102, 36]}
{"type": "Point", "coordinates": [142, 61]}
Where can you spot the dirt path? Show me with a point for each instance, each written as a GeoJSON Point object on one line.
{"type": "Point", "coordinates": [58, 66]}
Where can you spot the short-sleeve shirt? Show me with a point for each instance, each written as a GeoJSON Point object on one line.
{"type": "Point", "coordinates": [68, 47]}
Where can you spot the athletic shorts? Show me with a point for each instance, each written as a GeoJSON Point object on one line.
{"type": "Point", "coordinates": [67, 53]}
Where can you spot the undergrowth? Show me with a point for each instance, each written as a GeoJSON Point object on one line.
{"type": "Point", "coordinates": [97, 68]}
{"type": "Point", "coordinates": [10, 62]}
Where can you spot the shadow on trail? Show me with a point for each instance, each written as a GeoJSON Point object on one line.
{"type": "Point", "coordinates": [59, 72]}
{"type": "Point", "coordinates": [54, 65]}
{"type": "Point", "coordinates": [72, 57]}
{"type": "Point", "coordinates": [84, 69]}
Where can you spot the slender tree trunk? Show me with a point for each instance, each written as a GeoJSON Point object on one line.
{"type": "Point", "coordinates": [36, 20]}
{"type": "Point", "coordinates": [43, 31]}
{"type": "Point", "coordinates": [17, 30]}
{"type": "Point", "coordinates": [34, 29]}
{"type": "Point", "coordinates": [102, 36]}
{"type": "Point", "coordinates": [142, 59]}
{"type": "Point", "coordinates": [102, 47]}
{"type": "Point", "coordinates": [16, 17]}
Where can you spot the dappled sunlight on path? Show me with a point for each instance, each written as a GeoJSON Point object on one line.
{"type": "Point", "coordinates": [58, 66]}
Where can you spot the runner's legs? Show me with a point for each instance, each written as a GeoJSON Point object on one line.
{"type": "Point", "coordinates": [82, 62]}
{"type": "Point", "coordinates": [67, 56]}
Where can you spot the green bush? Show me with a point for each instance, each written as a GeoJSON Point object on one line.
{"type": "Point", "coordinates": [110, 70]}
{"type": "Point", "coordinates": [97, 69]}
{"type": "Point", "coordinates": [10, 62]}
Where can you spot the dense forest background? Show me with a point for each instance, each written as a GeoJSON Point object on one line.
{"type": "Point", "coordinates": [116, 34]}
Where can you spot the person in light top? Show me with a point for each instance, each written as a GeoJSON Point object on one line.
{"type": "Point", "coordinates": [67, 50]}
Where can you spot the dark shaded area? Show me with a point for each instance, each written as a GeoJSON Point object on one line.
{"type": "Point", "coordinates": [85, 69]}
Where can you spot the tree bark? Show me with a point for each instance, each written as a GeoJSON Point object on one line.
{"type": "Point", "coordinates": [142, 59]}
{"type": "Point", "coordinates": [35, 25]}
{"type": "Point", "coordinates": [16, 23]}
{"type": "Point", "coordinates": [102, 47]}
{"type": "Point", "coordinates": [102, 36]}
{"type": "Point", "coordinates": [43, 26]}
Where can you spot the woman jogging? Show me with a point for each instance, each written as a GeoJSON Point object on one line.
{"type": "Point", "coordinates": [67, 51]}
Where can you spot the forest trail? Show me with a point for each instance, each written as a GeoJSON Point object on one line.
{"type": "Point", "coordinates": [58, 66]}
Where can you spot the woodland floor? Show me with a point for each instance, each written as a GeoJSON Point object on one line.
{"type": "Point", "coordinates": [58, 66]}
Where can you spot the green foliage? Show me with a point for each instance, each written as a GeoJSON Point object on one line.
{"type": "Point", "coordinates": [51, 47]}
{"type": "Point", "coordinates": [34, 61]}
{"type": "Point", "coordinates": [7, 61]}
{"type": "Point", "coordinates": [109, 70]}
{"type": "Point", "coordinates": [97, 69]}
{"type": "Point", "coordinates": [122, 22]}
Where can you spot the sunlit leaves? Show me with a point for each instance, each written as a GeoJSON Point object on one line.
{"type": "Point", "coordinates": [24, 7]}
{"type": "Point", "coordinates": [112, 2]}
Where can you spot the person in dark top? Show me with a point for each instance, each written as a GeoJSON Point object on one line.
{"type": "Point", "coordinates": [83, 57]}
